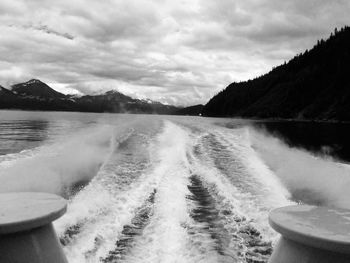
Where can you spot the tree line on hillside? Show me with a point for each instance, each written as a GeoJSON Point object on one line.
{"type": "Point", "coordinates": [313, 85]}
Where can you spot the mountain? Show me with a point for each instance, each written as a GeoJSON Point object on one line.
{"type": "Point", "coordinates": [314, 85]}
{"type": "Point", "coordinates": [36, 88]}
{"type": "Point", "coordinates": [191, 110]}
{"type": "Point", "coordinates": [7, 97]}
{"type": "Point", "coordinates": [36, 95]}
{"type": "Point", "coordinates": [5, 93]}
{"type": "Point", "coordinates": [114, 101]}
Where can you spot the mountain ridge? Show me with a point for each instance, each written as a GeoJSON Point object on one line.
{"type": "Point", "coordinates": [36, 88]}
{"type": "Point", "coordinates": [6, 92]}
{"type": "Point", "coordinates": [37, 95]}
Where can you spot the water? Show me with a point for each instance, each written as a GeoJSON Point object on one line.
{"type": "Point", "coordinates": [145, 188]}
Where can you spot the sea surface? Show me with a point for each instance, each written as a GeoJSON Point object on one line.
{"type": "Point", "coordinates": [148, 188]}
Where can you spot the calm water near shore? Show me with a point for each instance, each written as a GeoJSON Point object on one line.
{"type": "Point", "coordinates": [148, 188]}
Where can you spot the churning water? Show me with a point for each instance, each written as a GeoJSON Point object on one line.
{"type": "Point", "coordinates": [160, 188]}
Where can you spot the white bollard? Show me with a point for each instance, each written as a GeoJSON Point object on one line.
{"type": "Point", "coordinates": [311, 234]}
{"type": "Point", "coordinates": [26, 231]}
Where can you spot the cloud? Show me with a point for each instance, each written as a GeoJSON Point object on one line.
{"type": "Point", "coordinates": [179, 52]}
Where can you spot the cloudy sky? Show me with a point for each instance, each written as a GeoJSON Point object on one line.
{"type": "Point", "coordinates": [180, 52]}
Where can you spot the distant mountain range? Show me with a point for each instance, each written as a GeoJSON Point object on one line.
{"type": "Point", "coordinates": [36, 95]}
{"type": "Point", "coordinates": [314, 85]}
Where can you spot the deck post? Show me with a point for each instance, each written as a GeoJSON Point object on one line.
{"type": "Point", "coordinates": [26, 231]}
{"type": "Point", "coordinates": [311, 235]}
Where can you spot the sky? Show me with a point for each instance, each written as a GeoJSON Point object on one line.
{"type": "Point", "coordinates": [177, 52]}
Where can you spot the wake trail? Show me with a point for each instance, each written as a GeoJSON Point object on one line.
{"type": "Point", "coordinates": [179, 194]}
{"type": "Point", "coordinates": [223, 162]}
{"type": "Point", "coordinates": [233, 236]}
{"type": "Point", "coordinates": [197, 214]}
{"type": "Point", "coordinates": [96, 215]}
{"type": "Point", "coordinates": [138, 223]}
{"type": "Point", "coordinates": [164, 239]}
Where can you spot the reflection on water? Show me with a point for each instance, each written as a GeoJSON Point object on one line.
{"type": "Point", "coordinates": [18, 135]}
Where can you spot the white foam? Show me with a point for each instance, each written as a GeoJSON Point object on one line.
{"type": "Point", "coordinates": [106, 213]}
{"type": "Point", "coordinates": [165, 238]}
{"type": "Point", "coordinates": [105, 208]}
{"type": "Point", "coordinates": [258, 190]}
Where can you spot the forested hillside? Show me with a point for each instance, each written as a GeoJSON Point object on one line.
{"type": "Point", "coordinates": [313, 85]}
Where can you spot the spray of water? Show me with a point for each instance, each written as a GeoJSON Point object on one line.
{"type": "Point", "coordinates": [309, 178]}
{"type": "Point", "coordinates": [59, 166]}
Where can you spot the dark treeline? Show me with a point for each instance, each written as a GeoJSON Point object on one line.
{"type": "Point", "coordinates": [194, 110]}
{"type": "Point", "coordinates": [314, 85]}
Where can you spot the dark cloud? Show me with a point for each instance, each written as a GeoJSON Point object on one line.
{"type": "Point", "coordinates": [178, 52]}
{"type": "Point", "coordinates": [48, 30]}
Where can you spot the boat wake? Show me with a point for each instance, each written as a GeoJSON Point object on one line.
{"type": "Point", "coordinates": [180, 195]}
{"type": "Point", "coordinates": [169, 190]}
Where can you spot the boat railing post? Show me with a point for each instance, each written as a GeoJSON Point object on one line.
{"type": "Point", "coordinates": [311, 234]}
{"type": "Point", "coordinates": [26, 231]}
